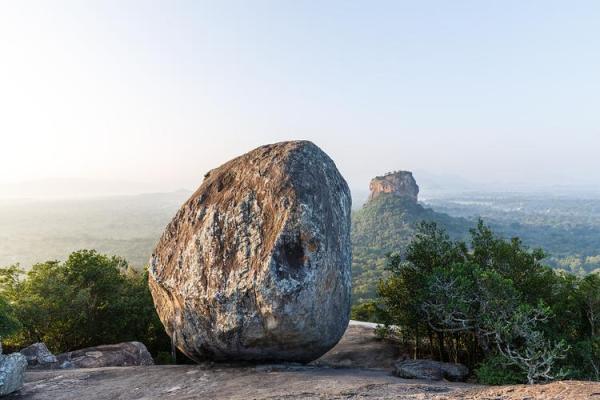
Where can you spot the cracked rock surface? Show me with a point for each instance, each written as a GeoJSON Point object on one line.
{"type": "Point", "coordinates": [256, 265]}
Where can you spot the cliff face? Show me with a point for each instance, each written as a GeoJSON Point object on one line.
{"type": "Point", "coordinates": [398, 183]}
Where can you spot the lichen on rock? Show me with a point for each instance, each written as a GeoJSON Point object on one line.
{"type": "Point", "coordinates": [256, 264]}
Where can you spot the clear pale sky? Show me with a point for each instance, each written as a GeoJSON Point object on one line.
{"type": "Point", "coordinates": [162, 91]}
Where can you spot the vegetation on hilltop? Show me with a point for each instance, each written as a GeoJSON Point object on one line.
{"type": "Point", "coordinates": [567, 228]}
{"type": "Point", "coordinates": [491, 304]}
{"type": "Point", "coordinates": [385, 224]}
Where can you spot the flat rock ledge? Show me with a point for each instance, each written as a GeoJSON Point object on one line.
{"type": "Point", "coordinates": [187, 382]}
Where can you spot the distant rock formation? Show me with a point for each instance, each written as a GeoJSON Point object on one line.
{"type": "Point", "coordinates": [398, 183]}
{"type": "Point", "coordinates": [256, 264]}
{"type": "Point", "coordinates": [387, 223]}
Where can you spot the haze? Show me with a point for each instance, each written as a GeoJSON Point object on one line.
{"type": "Point", "coordinates": [157, 93]}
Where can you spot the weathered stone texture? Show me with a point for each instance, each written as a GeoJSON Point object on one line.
{"type": "Point", "coordinates": [430, 370]}
{"type": "Point", "coordinates": [256, 264]}
{"type": "Point", "coordinates": [398, 183]}
{"type": "Point", "coordinates": [38, 356]}
{"type": "Point", "coordinates": [124, 354]}
{"type": "Point", "coordinates": [12, 372]}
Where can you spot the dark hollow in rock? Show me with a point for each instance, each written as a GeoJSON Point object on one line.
{"type": "Point", "coordinates": [255, 266]}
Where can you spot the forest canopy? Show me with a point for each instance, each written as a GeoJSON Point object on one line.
{"type": "Point", "coordinates": [88, 300]}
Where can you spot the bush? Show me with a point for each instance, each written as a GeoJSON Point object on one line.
{"type": "Point", "coordinates": [367, 311]}
{"type": "Point", "coordinates": [475, 301]}
{"type": "Point", "coordinates": [88, 300]}
{"type": "Point", "coordinates": [495, 371]}
{"type": "Point", "coordinates": [163, 358]}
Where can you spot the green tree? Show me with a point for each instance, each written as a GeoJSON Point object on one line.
{"type": "Point", "coordinates": [491, 299]}
{"type": "Point", "coordinates": [90, 299]}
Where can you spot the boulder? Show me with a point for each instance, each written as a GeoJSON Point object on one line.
{"type": "Point", "coordinates": [256, 265]}
{"type": "Point", "coordinates": [430, 370]}
{"type": "Point", "coordinates": [112, 355]}
{"type": "Point", "coordinates": [38, 356]}
{"type": "Point", "coordinates": [12, 372]}
{"type": "Point", "coordinates": [455, 372]}
{"type": "Point", "coordinates": [418, 369]}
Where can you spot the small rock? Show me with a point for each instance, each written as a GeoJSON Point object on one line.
{"type": "Point", "coordinates": [455, 372]}
{"type": "Point", "coordinates": [12, 372]}
{"type": "Point", "coordinates": [173, 389]}
{"type": "Point", "coordinates": [66, 365]}
{"type": "Point", "coordinates": [418, 369]}
{"type": "Point", "coordinates": [430, 370]}
{"type": "Point", "coordinates": [38, 356]}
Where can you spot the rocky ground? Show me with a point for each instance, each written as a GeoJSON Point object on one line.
{"type": "Point", "coordinates": [357, 368]}
{"type": "Point", "coordinates": [269, 382]}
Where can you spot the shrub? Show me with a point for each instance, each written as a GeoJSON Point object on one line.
{"type": "Point", "coordinates": [495, 371]}
{"type": "Point", "coordinates": [88, 300]}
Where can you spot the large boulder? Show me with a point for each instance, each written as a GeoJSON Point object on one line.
{"type": "Point", "coordinates": [38, 356]}
{"type": "Point", "coordinates": [112, 355]}
{"type": "Point", "coordinates": [430, 370]}
{"type": "Point", "coordinates": [256, 264]}
{"type": "Point", "coordinates": [12, 372]}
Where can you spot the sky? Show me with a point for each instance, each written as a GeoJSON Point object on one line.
{"type": "Point", "coordinates": [159, 92]}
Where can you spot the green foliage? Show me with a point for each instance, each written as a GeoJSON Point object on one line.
{"type": "Point", "coordinates": [490, 297]}
{"type": "Point", "coordinates": [584, 360]}
{"type": "Point", "coordinates": [367, 311]}
{"type": "Point", "coordinates": [568, 228]}
{"type": "Point", "coordinates": [494, 370]}
{"type": "Point", "coordinates": [9, 323]}
{"type": "Point", "coordinates": [88, 300]}
{"type": "Point", "coordinates": [163, 358]}
{"type": "Point", "coordinates": [383, 225]}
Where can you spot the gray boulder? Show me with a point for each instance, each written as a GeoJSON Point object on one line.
{"type": "Point", "coordinates": [38, 356]}
{"type": "Point", "coordinates": [12, 372]}
{"type": "Point", "coordinates": [256, 265]}
{"type": "Point", "coordinates": [430, 370]}
{"type": "Point", "coordinates": [455, 372]}
{"type": "Point", "coordinates": [112, 355]}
